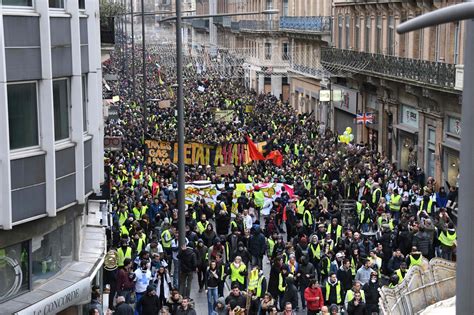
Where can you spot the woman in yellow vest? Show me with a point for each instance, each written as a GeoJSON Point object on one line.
{"type": "Point", "coordinates": [238, 272]}
{"type": "Point", "coordinates": [447, 241]}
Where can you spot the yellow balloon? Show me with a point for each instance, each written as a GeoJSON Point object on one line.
{"type": "Point", "coordinates": [348, 129]}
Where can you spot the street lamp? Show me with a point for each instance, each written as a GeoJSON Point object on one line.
{"type": "Point", "coordinates": [465, 257]}
{"type": "Point", "coordinates": [180, 105]}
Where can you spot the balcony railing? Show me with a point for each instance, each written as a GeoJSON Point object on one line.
{"type": "Point", "coordinates": [200, 24]}
{"type": "Point", "coordinates": [259, 25]}
{"type": "Point", "coordinates": [222, 21]}
{"type": "Point", "coordinates": [309, 70]}
{"type": "Point", "coordinates": [319, 24]}
{"type": "Point", "coordinates": [235, 26]}
{"type": "Point", "coordinates": [421, 72]}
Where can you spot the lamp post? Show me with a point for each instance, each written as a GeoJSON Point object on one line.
{"type": "Point", "coordinates": [465, 256]}
{"type": "Point", "coordinates": [180, 106]}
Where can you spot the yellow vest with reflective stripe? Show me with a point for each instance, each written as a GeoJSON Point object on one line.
{"type": "Point", "coordinates": [259, 286]}
{"type": "Point", "coordinates": [202, 227]}
{"type": "Point", "coordinates": [300, 206]}
{"type": "Point", "coordinates": [447, 239]}
{"type": "Point", "coordinates": [123, 216]}
{"type": "Point", "coordinates": [121, 255]}
{"type": "Point", "coordinates": [124, 231]}
{"type": "Point", "coordinates": [394, 202]}
{"type": "Point", "coordinates": [307, 218]}
{"type": "Point", "coordinates": [374, 195]}
{"type": "Point", "coordinates": [281, 283]}
{"type": "Point", "coordinates": [253, 280]}
{"type": "Point", "coordinates": [428, 209]}
{"type": "Point", "coordinates": [338, 292]}
{"type": "Point", "coordinates": [166, 244]}
{"type": "Point", "coordinates": [235, 273]}
{"type": "Point", "coordinates": [338, 231]}
{"type": "Point", "coordinates": [350, 295]}
{"type": "Point", "coordinates": [400, 275]}
{"type": "Point", "coordinates": [416, 262]}
{"type": "Point", "coordinates": [315, 251]}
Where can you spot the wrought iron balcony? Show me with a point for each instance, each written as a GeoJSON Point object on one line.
{"type": "Point", "coordinates": [259, 25]}
{"type": "Point", "coordinates": [317, 24]}
{"type": "Point", "coordinates": [224, 21]}
{"type": "Point", "coordinates": [419, 72]}
{"type": "Point", "coordinates": [310, 70]}
{"type": "Point", "coordinates": [235, 26]}
{"type": "Point", "coordinates": [202, 24]}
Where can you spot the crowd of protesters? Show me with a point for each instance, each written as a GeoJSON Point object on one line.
{"type": "Point", "coordinates": [322, 257]}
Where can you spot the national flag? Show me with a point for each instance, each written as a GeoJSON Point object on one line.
{"type": "Point", "coordinates": [276, 157]}
{"type": "Point", "coordinates": [365, 118]}
{"type": "Point", "coordinates": [255, 155]}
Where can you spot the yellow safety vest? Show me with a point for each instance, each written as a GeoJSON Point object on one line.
{"type": "Point", "coordinates": [123, 216]}
{"type": "Point", "coordinates": [235, 273]}
{"type": "Point", "coordinates": [374, 195]}
{"type": "Point", "coordinates": [359, 207]}
{"type": "Point", "coordinates": [400, 275]}
{"type": "Point", "coordinates": [447, 239]}
{"type": "Point", "coordinates": [166, 244]}
{"type": "Point", "coordinates": [338, 292]}
{"type": "Point", "coordinates": [259, 286]}
{"type": "Point", "coordinates": [307, 218]}
{"type": "Point", "coordinates": [353, 267]}
{"type": "Point", "coordinates": [138, 213]}
{"type": "Point", "coordinates": [124, 231]}
{"type": "Point", "coordinates": [281, 283]}
{"type": "Point", "coordinates": [270, 246]}
{"type": "Point", "coordinates": [202, 227]}
{"type": "Point", "coordinates": [416, 262]}
{"type": "Point", "coordinates": [315, 251]}
{"type": "Point", "coordinates": [350, 295]}
{"type": "Point", "coordinates": [338, 231]}
{"type": "Point", "coordinates": [253, 280]}
{"type": "Point", "coordinates": [428, 209]}
{"type": "Point", "coordinates": [395, 202]}
{"type": "Point", "coordinates": [259, 198]}
{"type": "Point", "coordinates": [121, 255]}
{"type": "Point", "coordinates": [300, 206]}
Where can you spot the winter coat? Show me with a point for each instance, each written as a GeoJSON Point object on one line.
{"type": "Point", "coordinates": [166, 285]}
{"type": "Point", "coordinates": [314, 298]}
{"type": "Point", "coordinates": [223, 310]}
{"type": "Point", "coordinates": [257, 244]}
{"type": "Point", "coordinates": [371, 291]}
{"type": "Point", "coordinates": [423, 242]}
{"type": "Point", "coordinates": [291, 293]}
{"type": "Point", "coordinates": [188, 260]}
{"type": "Point", "coordinates": [345, 277]}
{"type": "Point", "coordinates": [201, 256]}
{"type": "Point", "coordinates": [360, 309]}
{"type": "Point", "coordinates": [123, 309]}
{"type": "Point", "coordinates": [150, 304]}
{"type": "Point", "coordinates": [188, 311]}
{"type": "Point", "coordinates": [305, 268]}
{"type": "Point", "coordinates": [222, 223]}
{"type": "Point", "coordinates": [273, 280]}
{"type": "Point", "coordinates": [234, 301]}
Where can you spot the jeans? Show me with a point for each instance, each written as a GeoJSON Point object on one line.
{"type": "Point", "coordinates": [185, 280]}
{"type": "Point", "coordinates": [395, 215]}
{"type": "Point", "coordinates": [176, 273]}
{"type": "Point", "coordinates": [138, 310]}
{"type": "Point", "coordinates": [257, 261]}
{"type": "Point", "coordinates": [303, 301]}
{"type": "Point", "coordinates": [211, 299]}
{"type": "Point", "coordinates": [201, 276]}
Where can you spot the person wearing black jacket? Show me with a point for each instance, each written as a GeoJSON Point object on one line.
{"type": "Point", "coordinates": [291, 293]}
{"type": "Point", "coordinates": [188, 265]}
{"type": "Point", "coordinates": [149, 303]}
{"type": "Point", "coordinates": [344, 274]}
{"type": "Point", "coordinates": [222, 222]}
{"type": "Point", "coordinates": [212, 280]}
{"type": "Point", "coordinates": [371, 290]}
{"type": "Point", "coordinates": [306, 272]}
{"type": "Point", "coordinates": [357, 306]}
{"type": "Point", "coordinates": [257, 246]}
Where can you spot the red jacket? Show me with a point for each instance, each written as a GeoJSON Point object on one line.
{"type": "Point", "coordinates": [314, 298]}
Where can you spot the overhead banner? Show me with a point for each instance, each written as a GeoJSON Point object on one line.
{"type": "Point", "coordinates": [164, 153]}
{"type": "Point", "coordinates": [196, 191]}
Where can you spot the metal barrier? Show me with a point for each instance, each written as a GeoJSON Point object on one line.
{"type": "Point", "coordinates": [422, 286]}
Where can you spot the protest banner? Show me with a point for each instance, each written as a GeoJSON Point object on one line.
{"type": "Point", "coordinates": [164, 104]}
{"type": "Point", "coordinates": [113, 143]}
{"type": "Point", "coordinates": [158, 152]}
{"type": "Point", "coordinates": [162, 153]}
{"type": "Point", "coordinates": [271, 191]}
{"type": "Point", "coordinates": [248, 108]}
{"type": "Point", "coordinates": [224, 115]}
{"type": "Point", "coordinates": [225, 170]}
{"type": "Point", "coordinates": [201, 190]}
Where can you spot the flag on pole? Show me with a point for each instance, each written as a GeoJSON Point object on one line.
{"type": "Point", "coordinates": [365, 118]}
{"type": "Point", "coordinates": [255, 155]}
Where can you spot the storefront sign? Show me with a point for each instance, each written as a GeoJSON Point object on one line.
{"type": "Point", "coordinates": [410, 116]}
{"type": "Point", "coordinates": [78, 293]}
{"type": "Point", "coordinates": [372, 102]}
{"type": "Point", "coordinates": [344, 99]}
{"type": "Point", "coordinates": [324, 95]}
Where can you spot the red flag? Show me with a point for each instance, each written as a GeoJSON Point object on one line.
{"type": "Point", "coordinates": [255, 155]}
{"type": "Point", "coordinates": [276, 157]}
{"type": "Point", "coordinates": [289, 190]}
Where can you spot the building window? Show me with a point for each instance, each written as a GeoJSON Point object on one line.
{"type": "Point", "coordinates": [339, 31]}
{"type": "Point", "coordinates": [409, 116]}
{"type": "Point", "coordinates": [421, 43]}
{"type": "Point", "coordinates": [456, 42]}
{"type": "Point", "coordinates": [51, 253]}
{"type": "Point", "coordinates": [367, 33]}
{"type": "Point", "coordinates": [84, 102]}
{"type": "Point", "coordinates": [82, 4]}
{"type": "Point", "coordinates": [430, 154]}
{"type": "Point", "coordinates": [357, 33]}
{"type": "Point", "coordinates": [18, 3]}
{"type": "Point", "coordinates": [268, 51]}
{"type": "Point", "coordinates": [61, 109]}
{"type": "Point", "coordinates": [454, 126]}
{"type": "Point", "coordinates": [286, 52]}
{"type": "Point", "coordinates": [437, 43]}
{"type": "Point", "coordinates": [348, 32]}
{"type": "Point", "coordinates": [390, 36]}
{"type": "Point", "coordinates": [15, 266]}
{"type": "Point", "coordinates": [56, 4]}
{"type": "Point", "coordinates": [22, 115]}
{"type": "Point", "coordinates": [378, 35]}
{"type": "Point", "coordinates": [285, 8]}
